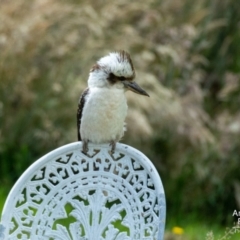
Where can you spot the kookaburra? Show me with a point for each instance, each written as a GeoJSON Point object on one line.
{"type": "Point", "coordinates": [102, 107]}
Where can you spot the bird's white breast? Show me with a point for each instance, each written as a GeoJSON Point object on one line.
{"type": "Point", "coordinates": [103, 115]}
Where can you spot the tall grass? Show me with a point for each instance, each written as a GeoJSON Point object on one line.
{"type": "Point", "coordinates": [187, 57]}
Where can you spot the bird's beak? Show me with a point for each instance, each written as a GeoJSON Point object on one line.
{"type": "Point", "coordinates": [133, 86]}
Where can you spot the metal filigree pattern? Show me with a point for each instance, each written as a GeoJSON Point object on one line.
{"type": "Point", "coordinates": [67, 195]}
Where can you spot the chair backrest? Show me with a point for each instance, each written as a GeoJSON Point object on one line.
{"type": "Point", "coordinates": [67, 195]}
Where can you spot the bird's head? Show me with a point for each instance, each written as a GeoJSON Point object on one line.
{"type": "Point", "coordinates": [115, 71]}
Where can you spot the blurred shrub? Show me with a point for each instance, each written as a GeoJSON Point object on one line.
{"type": "Point", "coordinates": [186, 56]}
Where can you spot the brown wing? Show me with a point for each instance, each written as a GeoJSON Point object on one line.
{"type": "Point", "coordinates": [79, 111]}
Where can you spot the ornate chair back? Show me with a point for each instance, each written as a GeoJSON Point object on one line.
{"type": "Point", "coordinates": [67, 195]}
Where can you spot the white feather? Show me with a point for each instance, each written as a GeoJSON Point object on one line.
{"type": "Point", "coordinates": [103, 115]}
{"type": "Point", "coordinates": [110, 64]}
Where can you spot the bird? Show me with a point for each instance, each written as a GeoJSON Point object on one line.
{"type": "Point", "coordinates": [102, 107]}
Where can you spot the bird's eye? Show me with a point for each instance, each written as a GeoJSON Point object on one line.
{"type": "Point", "coordinates": [121, 78]}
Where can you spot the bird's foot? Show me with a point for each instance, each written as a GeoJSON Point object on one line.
{"type": "Point", "coordinates": [85, 147]}
{"type": "Point", "coordinates": [113, 145]}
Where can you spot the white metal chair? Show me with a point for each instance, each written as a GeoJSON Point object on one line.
{"type": "Point", "coordinates": [66, 195]}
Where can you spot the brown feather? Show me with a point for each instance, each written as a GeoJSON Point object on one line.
{"type": "Point", "coordinates": [125, 56]}
{"type": "Point", "coordinates": [95, 67]}
{"type": "Point", "coordinates": [79, 111]}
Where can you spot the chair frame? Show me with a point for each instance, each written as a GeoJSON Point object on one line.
{"type": "Point", "coordinates": [68, 195]}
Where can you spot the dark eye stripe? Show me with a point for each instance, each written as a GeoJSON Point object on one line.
{"type": "Point", "coordinates": [113, 78]}
{"type": "Point", "coordinates": [121, 78]}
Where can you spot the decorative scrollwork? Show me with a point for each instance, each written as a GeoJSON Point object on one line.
{"type": "Point", "coordinates": [67, 195]}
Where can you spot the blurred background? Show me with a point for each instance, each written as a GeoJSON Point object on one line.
{"type": "Point", "coordinates": [187, 57]}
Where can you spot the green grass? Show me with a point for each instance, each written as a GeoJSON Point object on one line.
{"type": "Point", "coordinates": [3, 196]}
{"type": "Point", "coordinates": [199, 230]}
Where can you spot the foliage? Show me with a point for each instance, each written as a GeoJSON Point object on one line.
{"type": "Point", "coordinates": [186, 56]}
